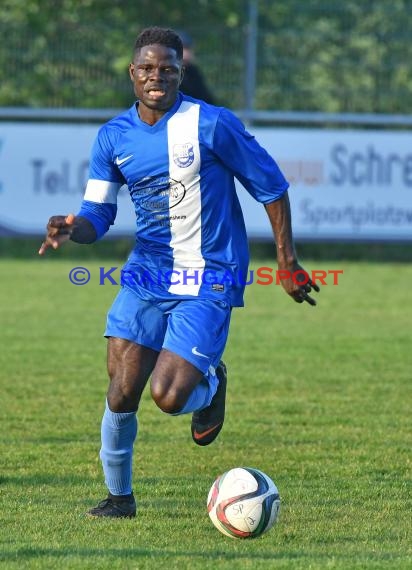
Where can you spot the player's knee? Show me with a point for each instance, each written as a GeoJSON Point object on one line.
{"type": "Point", "coordinates": [166, 398]}
{"type": "Point", "coordinates": [121, 398]}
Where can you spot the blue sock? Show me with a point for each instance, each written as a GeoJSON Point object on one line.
{"type": "Point", "coordinates": [202, 394]}
{"type": "Point", "coordinates": [118, 433]}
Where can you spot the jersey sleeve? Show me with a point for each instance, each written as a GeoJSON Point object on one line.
{"type": "Point", "coordinates": [252, 165]}
{"type": "Point", "coordinates": [99, 204]}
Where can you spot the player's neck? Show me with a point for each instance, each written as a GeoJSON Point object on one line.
{"type": "Point", "coordinates": [149, 116]}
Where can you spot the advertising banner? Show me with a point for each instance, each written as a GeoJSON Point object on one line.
{"type": "Point", "coordinates": [344, 184]}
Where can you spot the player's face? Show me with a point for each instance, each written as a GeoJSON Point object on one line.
{"type": "Point", "coordinates": [156, 73]}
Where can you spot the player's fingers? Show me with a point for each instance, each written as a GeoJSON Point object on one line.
{"type": "Point", "coordinates": [48, 242]}
{"type": "Point", "coordinates": [57, 222]}
{"type": "Point", "coordinates": [298, 296]}
{"type": "Point", "coordinates": [314, 286]}
{"type": "Point", "coordinates": [43, 248]}
{"type": "Point", "coordinates": [309, 300]}
{"type": "Point", "coordinates": [301, 296]}
{"type": "Point", "coordinates": [54, 242]}
{"type": "Point", "coordinates": [307, 287]}
{"type": "Point", "coordinates": [52, 231]}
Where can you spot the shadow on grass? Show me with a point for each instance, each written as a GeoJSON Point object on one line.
{"type": "Point", "coordinates": [26, 554]}
{"type": "Point", "coordinates": [43, 479]}
{"type": "Point", "coordinates": [56, 480]}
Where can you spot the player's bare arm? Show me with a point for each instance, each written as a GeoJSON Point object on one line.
{"type": "Point", "coordinates": [63, 228]}
{"type": "Point", "coordinates": [280, 220]}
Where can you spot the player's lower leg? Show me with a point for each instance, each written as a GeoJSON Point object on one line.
{"type": "Point", "coordinates": [118, 433]}
{"type": "Point", "coordinates": [208, 422]}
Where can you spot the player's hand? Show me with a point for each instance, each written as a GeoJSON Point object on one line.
{"type": "Point", "coordinates": [59, 230]}
{"type": "Point", "coordinates": [297, 283]}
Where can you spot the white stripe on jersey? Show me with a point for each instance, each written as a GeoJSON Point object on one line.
{"type": "Point", "coordinates": [102, 192]}
{"type": "Point", "coordinates": [185, 217]}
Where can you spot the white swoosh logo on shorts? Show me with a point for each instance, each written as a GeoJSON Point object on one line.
{"type": "Point", "coordinates": [120, 161]}
{"type": "Point", "coordinates": [197, 353]}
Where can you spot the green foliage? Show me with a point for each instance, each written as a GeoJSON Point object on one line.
{"type": "Point", "coordinates": [313, 55]}
{"type": "Point", "coordinates": [70, 53]}
{"type": "Point", "coordinates": [319, 398]}
{"type": "Point", "coordinates": [336, 57]}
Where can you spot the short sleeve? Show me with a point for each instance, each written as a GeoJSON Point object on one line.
{"type": "Point", "coordinates": [250, 163]}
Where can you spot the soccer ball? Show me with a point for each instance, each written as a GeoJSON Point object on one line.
{"type": "Point", "coordinates": [243, 503]}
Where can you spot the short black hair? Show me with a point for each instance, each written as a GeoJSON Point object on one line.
{"type": "Point", "coordinates": [163, 36]}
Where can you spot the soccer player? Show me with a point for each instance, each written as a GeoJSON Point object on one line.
{"type": "Point", "coordinates": [170, 320]}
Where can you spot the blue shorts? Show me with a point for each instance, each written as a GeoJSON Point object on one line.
{"type": "Point", "coordinates": [195, 329]}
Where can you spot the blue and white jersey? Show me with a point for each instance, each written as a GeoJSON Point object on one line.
{"type": "Point", "coordinates": [191, 238]}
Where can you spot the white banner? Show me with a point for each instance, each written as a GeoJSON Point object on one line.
{"type": "Point", "coordinates": [43, 171]}
{"type": "Point", "coordinates": [344, 184]}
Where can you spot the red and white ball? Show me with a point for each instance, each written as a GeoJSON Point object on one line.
{"type": "Point", "coordinates": [243, 503]}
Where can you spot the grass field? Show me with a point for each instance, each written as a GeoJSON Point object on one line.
{"type": "Point", "coordinates": [318, 398]}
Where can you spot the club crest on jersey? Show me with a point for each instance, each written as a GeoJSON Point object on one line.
{"type": "Point", "coordinates": [183, 154]}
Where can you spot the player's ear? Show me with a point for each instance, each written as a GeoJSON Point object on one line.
{"type": "Point", "coordinates": [131, 71]}
{"type": "Point", "coordinates": [182, 72]}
